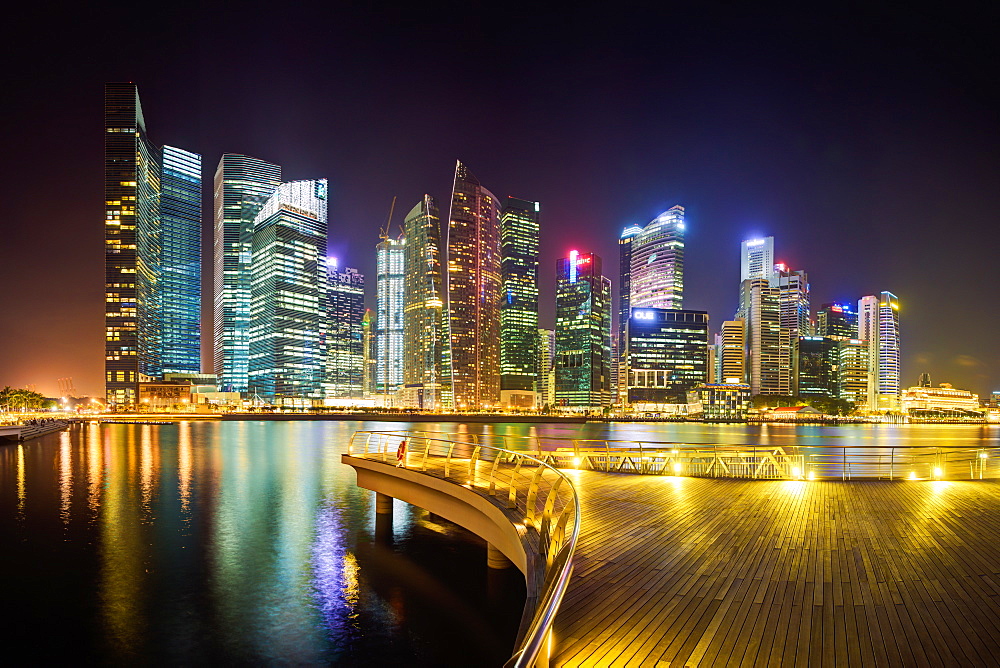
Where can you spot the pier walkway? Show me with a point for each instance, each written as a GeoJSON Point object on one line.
{"type": "Point", "coordinates": [683, 570]}
{"type": "Point", "coordinates": [694, 571]}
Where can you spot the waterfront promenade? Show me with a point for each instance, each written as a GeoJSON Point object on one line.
{"type": "Point", "coordinates": [694, 571]}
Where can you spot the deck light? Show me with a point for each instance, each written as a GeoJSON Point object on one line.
{"type": "Point", "coordinates": [982, 455]}
{"type": "Point", "coordinates": [576, 462]}
{"type": "Point", "coordinates": [913, 475]}
{"type": "Point", "coordinates": [677, 468]}
{"type": "Point", "coordinates": [812, 476]}
{"type": "Point", "coordinates": [796, 472]}
{"type": "Point", "coordinates": [937, 472]}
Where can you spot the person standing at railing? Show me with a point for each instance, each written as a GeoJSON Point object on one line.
{"type": "Point", "coordinates": [401, 453]}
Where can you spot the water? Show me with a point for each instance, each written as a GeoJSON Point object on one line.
{"type": "Point", "coordinates": [235, 542]}
{"type": "Point", "coordinates": [249, 543]}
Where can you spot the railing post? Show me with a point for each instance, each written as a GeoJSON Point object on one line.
{"type": "Point", "coordinates": [512, 496]}
{"type": "Point", "coordinates": [447, 462]}
{"type": "Point", "coordinates": [473, 465]}
{"type": "Point", "coordinates": [531, 500]}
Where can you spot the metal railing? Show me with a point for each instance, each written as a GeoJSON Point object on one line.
{"type": "Point", "coordinates": [755, 461]}
{"type": "Point", "coordinates": [540, 500]}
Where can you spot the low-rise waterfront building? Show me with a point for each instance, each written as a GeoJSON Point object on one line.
{"type": "Point", "coordinates": [723, 402]}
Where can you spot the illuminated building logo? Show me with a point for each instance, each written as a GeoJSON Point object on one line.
{"type": "Point", "coordinates": [644, 315]}
{"type": "Point", "coordinates": [321, 189]}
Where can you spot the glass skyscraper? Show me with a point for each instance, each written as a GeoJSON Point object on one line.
{"type": "Point", "coordinates": [667, 354]}
{"type": "Point", "coordinates": [519, 302]}
{"type": "Point", "coordinates": [180, 278]}
{"type": "Point", "coordinates": [583, 332]}
{"type": "Point", "coordinates": [344, 333]}
{"type": "Point", "coordinates": [288, 269]}
{"type": "Point", "coordinates": [472, 357]}
{"type": "Point", "coordinates": [242, 185]}
{"type": "Point", "coordinates": [657, 263]}
{"type": "Point", "coordinates": [389, 314]}
{"type": "Point", "coordinates": [145, 240]}
{"type": "Point", "coordinates": [423, 306]}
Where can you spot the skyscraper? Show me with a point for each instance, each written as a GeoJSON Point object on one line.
{"type": "Point", "coordinates": [618, 370]}
{"type": "Point", "coordinates": [180, 209]}
{"type": "Point", "coordinates": [837, 320]}
{"type": "Point", "coordinates": [756, 258]}
{"type": "Point", "coordinates": [852, 371]}
{"type": "Point", "coordinates": [519, 302]}
{"type": "Point", "coordinates": [667, 354]}
{"type": "Point", "coordinates": [242, 185]}
{"type": "Point", "coordinates": [793, 295]}
{"type": "Point", "coordinates": [583, 332]}
{"type": "Point", "coordinates": [732, 352]}
{"type": "Point", "coordinates": [546, 370]}
{"type": "Point", "coordinates": [878, 326]}
{"type": "Point", "coordinates": [472, 357]}
{"type": "Point", "coordinates": [345, 303]}
{"type": "Point", "coordinates": [423, 305]}
{"type": "Point", "coordinates": [817, 359]}
{"type": "Point", "coordinates": [769, 345]}
{"type": "Point", "coordinates": [288, 269]}
{"type": "Point", "coordinates": [657, 263]}
{"type": "Point", "coordinates": [144, 239]}
{"type": "Point", "coordinates": [390, 256]}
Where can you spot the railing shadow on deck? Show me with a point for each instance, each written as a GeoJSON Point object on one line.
{"type": "Point", "coordinates": [536, 496]}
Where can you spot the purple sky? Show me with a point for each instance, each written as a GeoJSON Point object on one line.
{"type": "Point", "coordinates": [864, 140]}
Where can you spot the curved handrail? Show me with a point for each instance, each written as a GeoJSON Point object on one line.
{"type": "Point", "coordinates": [556, 545]}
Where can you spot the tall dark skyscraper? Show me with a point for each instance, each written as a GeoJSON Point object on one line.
{"type": "Point", "coordinates": [139, 249]}
{"type": "Point", "coordinates": [242, 185]}
{"type": "Point", "coordinates": [180, 209]}
{"type": "Point", "coordinates": [837, 320]}
{"type": "Point", "coordinates": [583, 332]}
{"type": "Point", "coordinates": [423, 306]}
{"type": "Point", "coordinates": [472, 357]}
{"type": "Point", "coordinates": [519, 302]}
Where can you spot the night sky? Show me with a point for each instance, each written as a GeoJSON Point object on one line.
{"type": "Point", "coordinates": [864, 139]}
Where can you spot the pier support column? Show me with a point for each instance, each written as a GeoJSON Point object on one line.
{"type": "Point", "coordinates": [496, 559]}
{"type": "Point", "coordinates": [383, 504]}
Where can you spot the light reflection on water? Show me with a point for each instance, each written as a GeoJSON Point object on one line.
{"type": "Point", "coordinates": [249, 542]}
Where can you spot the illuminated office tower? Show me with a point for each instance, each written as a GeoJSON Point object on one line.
{"type": "Point", "coordinates": [769, 345]}
{"type": "Point", "coordinates": [472, 357]}
{"type": "Point", "coordinates": [180, 213]}
{"type": "Point", "coordinates": [852, 371]}
{"type": "Point", "coordinates": [618, 370]}
{"type": "Point", "coordinates": [732, 352]}
{"type": "Point", "coordinates": [368, 386]}
{"type": "Point", "coordinates": [132, 246]}
{"type": "Point", "coordinates": [666, 355]}
{"type": "Point", "coordinates": [583, 332]}
{"type": "Point", "coordinates": [152, 251]}
{"type": "Point", "coordinates": [878, 325]}
{"type": "Point", "coordinates": [546, 369]}
{"type": "Point", "coordinates": [757, 258]}
{"type": "Point", "coordinates": [793, 293]}
{"type": "Point", "coordinates": [242, 185]}
{"type": "Point", "coordinates": [837, 321]}
{"type": "Point", "coordinates": [657, 263]}
{"type": "Point", "coordinates": [390, 256]}
{"type": "Point", "coordinates": [423, 304]}
{"type": "Point", "coordinates": [288, 288]}
{"type": "Point", "coordinates": [519, 303]}
{"type": "Point", "coordinates": [345, 303]}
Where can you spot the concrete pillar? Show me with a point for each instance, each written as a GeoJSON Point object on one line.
{"type": "Point", "coordinates": [496, 559]}
{"type": "Point", "coordinates": [383, 504]}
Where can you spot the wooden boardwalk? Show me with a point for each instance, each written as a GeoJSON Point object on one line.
{"type": "Point", "coordinates": [692, 571]}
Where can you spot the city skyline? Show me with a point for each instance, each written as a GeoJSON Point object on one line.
{"type": "Point", "coordinates": [838, 150]}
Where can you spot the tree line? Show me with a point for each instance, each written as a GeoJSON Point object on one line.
{"type": "Point", "coordinates": [20, 400]}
